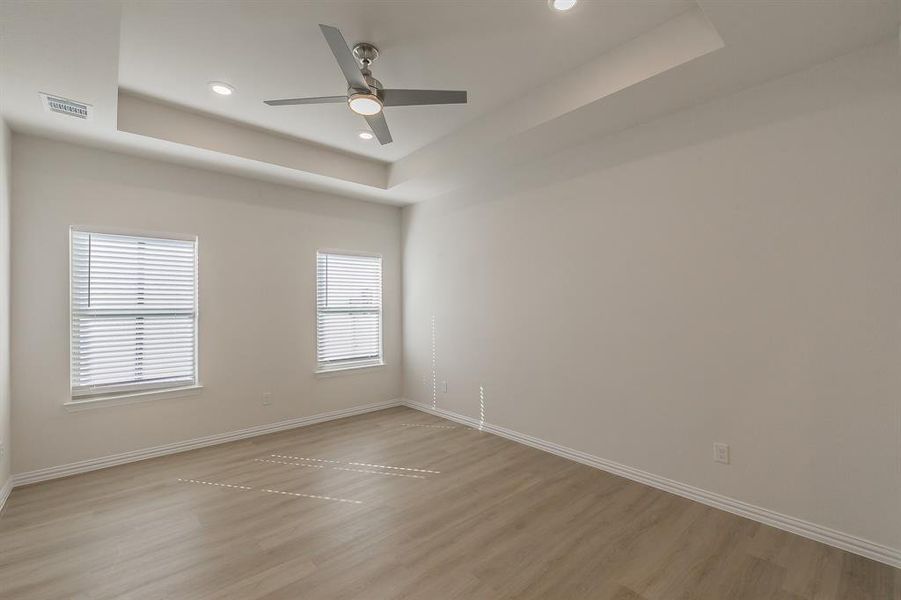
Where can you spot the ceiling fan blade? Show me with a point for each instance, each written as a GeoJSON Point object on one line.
{"type": "Point", "coordinates": [379, 127]}
{"type": "Point", "coordinates": [293, 101]}
{"type": "Point", "coordinates": [421, 97]}
{"type": "Point", "coordinates": [345, 58]}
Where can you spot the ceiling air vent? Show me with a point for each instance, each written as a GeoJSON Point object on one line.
{"type": "Point", "coordinates": [64, 106]}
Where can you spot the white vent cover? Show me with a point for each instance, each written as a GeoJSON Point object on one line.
{"type": "Point", "coordinates": [64, 106]}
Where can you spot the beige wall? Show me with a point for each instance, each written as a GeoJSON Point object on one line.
{"type": "Point", "coordinates": [257, 245]}
{"type": "Point", "coordinates": [5, 432]}
{"type": "Point", "coordinates": [729, 274]}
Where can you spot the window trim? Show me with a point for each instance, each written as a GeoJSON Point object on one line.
{"type": "Point", "coordinates": [349, 366]}
{"type": "Point", "coordinates": [128, 393]}
{"type": "Point", "coordinates": [133, 397]}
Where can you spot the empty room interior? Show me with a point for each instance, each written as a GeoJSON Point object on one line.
{"type": "Point", "coordinates": [450, 299]}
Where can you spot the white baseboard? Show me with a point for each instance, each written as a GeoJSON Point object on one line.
{"type": "Point", "coordinates": [210, 440]}
{"type": "Point", "coordinates": [826, 535]}
{"type": "Point", "coordinates": [819, 533]}
{"type": "Point", "coordinates": [5, 490]}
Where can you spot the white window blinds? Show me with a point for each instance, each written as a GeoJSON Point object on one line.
{"type": "Point", "coordinates": [134, 313]}
{"type": "Point", "coordinates": [349, 310]}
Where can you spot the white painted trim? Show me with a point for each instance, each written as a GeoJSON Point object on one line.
{"type": "Point", "coordinates": [349, 370]}
{"type": "Point", "coordinates": [4, 491]}
{"type": "Point", "coordinates": [210, 440]}
{"type": "Point", "coordinates": [134, 397]}
{"type": "Point", "coordinates": [819, 533]}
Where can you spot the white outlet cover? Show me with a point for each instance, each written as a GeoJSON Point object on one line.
{"type": "Point", "coordinates": [721, 453]}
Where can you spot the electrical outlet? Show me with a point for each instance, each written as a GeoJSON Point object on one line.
{"type": "Point", "coordinates": [721, 453]}
{"type": "Point", "coordinates": [267, 398]}
{"type": "Point", "coordinates": [444, 386]}
{"type": "Point", "coordinates": [2, 449]}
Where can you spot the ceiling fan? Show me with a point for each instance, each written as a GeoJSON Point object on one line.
{"type": "Point", "coordinates": [365, 94]}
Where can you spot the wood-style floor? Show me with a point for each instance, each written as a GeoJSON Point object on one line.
{"type": "Point", "coordinates": [398, 504]}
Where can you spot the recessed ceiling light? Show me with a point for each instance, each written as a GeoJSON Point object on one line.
{"type": "Point", "coordinates": [222, 88]}
{"type": "Point", "coordinates": [365, 135]}
{"type": "Point", "coordinates": [365, 104]}
{"type": "Point", "coordinates": [562, 5]}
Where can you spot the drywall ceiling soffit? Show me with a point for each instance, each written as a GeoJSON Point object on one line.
{"type": "Point", "coordinates": [760, 42]}
{"type": "Point", "coordinates": [525, 129]}
{"type": "Point", "coordinates": [677, 40]}
{"type": "Point", "coordinates": [144, 67]}
{"type": "Point", "coordinates": [498, 51]}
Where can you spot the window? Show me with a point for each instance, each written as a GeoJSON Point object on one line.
{"type": "Point", "coordinates": [134, 313]}
{"type": "Point", "coordinates": [348, 311]}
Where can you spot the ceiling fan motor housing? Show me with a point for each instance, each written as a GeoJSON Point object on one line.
{"type": "Point", "coordinates": [366, 53]}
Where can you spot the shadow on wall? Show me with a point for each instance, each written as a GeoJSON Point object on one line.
{"type": "Point", "coordinates": [783, 99]}
{"type": "Point", "coordinates": [130, 173]}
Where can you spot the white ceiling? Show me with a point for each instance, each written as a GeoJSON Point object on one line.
{"type": "Point", "coordinates": [495, 50]}
{"type": "Point", "coordinates": [539, 81]}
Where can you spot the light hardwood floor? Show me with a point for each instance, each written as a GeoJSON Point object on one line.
{"type": "Point", "coordinates": [398, 504]}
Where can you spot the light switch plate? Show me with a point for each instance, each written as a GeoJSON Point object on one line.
{"type": "Point", "coordinates": [721, 453]}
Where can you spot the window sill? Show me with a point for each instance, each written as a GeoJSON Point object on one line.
{"type": "Point", "coordinates": [133, 397]}
{"type": "Point", "coordinates": [347, 370]}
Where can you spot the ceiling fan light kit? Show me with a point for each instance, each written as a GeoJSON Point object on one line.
{"type": "Point", "coordinates": [365, 94]}
{"type": "Point", "coordinates": [364, 104]}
